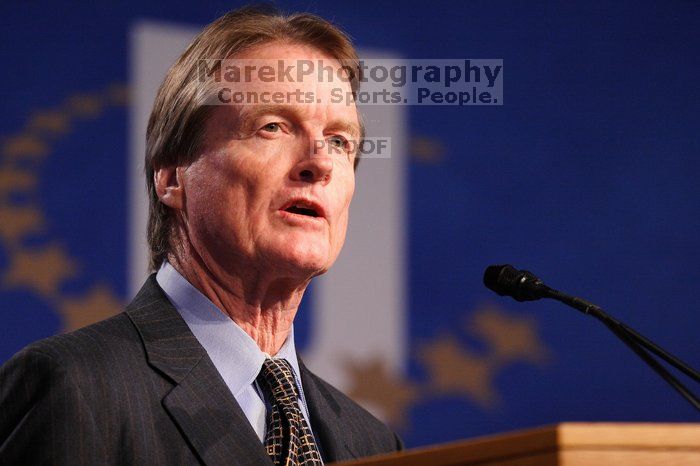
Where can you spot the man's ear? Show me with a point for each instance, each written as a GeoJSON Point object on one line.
{"type": "Point", "coordinates": [169, 186]}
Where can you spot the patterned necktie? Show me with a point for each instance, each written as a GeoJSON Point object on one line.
{"type": "Point", "coordinates": [289, 440]}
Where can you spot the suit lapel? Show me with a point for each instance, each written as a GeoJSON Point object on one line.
{"type": "Point", "coordinates": [211, 419]}
{"type": "Point", "coordinates": [335, 437]}
{"type": "Point", "coordinates": [200, 403]}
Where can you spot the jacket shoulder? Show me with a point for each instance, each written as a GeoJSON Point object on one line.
{"type": "Point", "coordinates": [55, 392]}
{"type": "Point", "coordinates": [108, 341]}
{"type": "Point", "coordinates": [113, 336]}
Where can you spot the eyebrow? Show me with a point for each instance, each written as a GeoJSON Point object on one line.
{"type": "Point", "coordinates": [342, 125]}
{"type": "Point", "coordinates": [251, 112]}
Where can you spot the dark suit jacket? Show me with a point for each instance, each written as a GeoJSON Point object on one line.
{"type": "Point", "coordinates": [138, 388]}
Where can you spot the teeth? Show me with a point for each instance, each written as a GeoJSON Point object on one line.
{"type": "Point", "coordinates": [303, 209]}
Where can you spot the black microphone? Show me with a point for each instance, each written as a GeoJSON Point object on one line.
{"type": "Point", "coordinates": [522, 285]}
{"type": "Point", "coordinates": [518, 284]}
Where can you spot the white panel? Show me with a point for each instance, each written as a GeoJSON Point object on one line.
{"type": "Point", "coordinates": [154, 47]}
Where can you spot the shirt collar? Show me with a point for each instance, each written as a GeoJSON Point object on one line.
{"type": "Point", "coordinates": [234, 353]}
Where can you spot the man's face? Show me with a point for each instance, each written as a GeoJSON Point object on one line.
{"type": "Point", "coordinates": [258, 196]}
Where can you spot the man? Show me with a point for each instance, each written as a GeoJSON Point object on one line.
{"type": "Point", "coordinates": [248, 203]}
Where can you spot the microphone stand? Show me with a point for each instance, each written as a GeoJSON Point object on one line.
{"type": "Point", "coordinates": [641, 345]}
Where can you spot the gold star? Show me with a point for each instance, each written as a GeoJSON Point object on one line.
{"type": "Point", "coordinates": [375, 384]}
{"type": "Point", "coordinates": [85, 105]}
{"type": "Point", "coordinates": [455, 370]}
{"type": "Point", "coordinates": [427, 149]}
{"type": "Point", "coordinates": [118, 94]}
{"type": "Point", "coordinates": [13, 180]}
{"type": "Point", "coordinates": [43, 270]}
{"type": "Point", "coordinates": [25, 146]}
{"type": "Point", "coordinates": [16, 222]}
{"type": "Point", "coordinates": [510, 337]}
{"type": "Point", "coordinates": [50, 121]}
{"type": "Point", "coordinates": [99, 304]}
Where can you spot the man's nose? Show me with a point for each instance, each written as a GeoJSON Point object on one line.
{"type": "Point", "coordinates": [315, 167]}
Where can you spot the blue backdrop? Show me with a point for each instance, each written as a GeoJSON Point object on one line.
{"type": "Point", "coordinates": [587, 175]}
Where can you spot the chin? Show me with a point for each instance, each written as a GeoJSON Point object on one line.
{"type": "Point", "coordinates": [308, 259]}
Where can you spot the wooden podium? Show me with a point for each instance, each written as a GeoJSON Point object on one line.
{"type": "Point", "coordinates": [577, 444]}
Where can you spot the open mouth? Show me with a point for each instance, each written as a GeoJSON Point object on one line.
{"type": "Point", "coordinates": [304, 207]}
{"type": "Point", "coordinates": [301, 210]}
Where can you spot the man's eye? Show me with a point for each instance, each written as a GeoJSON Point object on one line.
{"type": "Point", "coordinates": [338, 141]}
{"type": "Point", "coordinates": [271, 127]}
